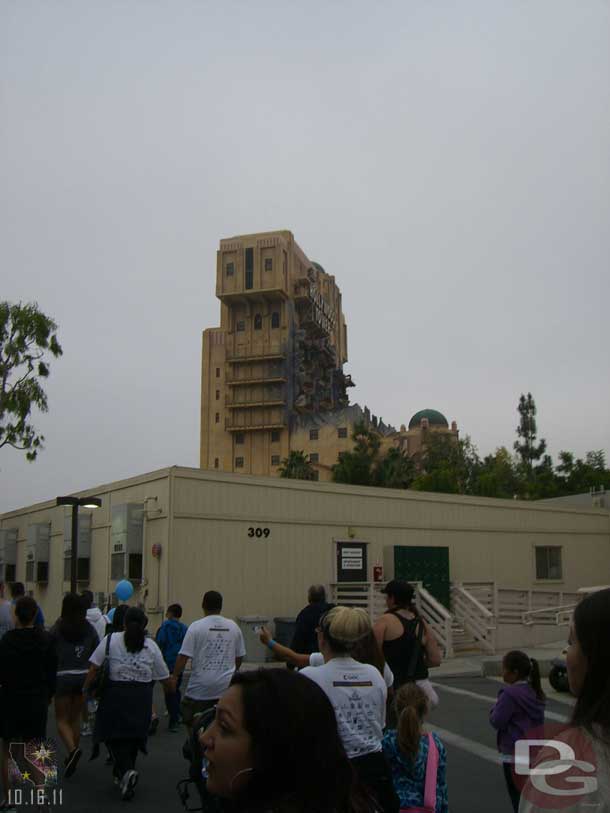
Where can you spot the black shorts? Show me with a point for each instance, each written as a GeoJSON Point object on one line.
{"type": "Point", "coordinates": [69, 685]}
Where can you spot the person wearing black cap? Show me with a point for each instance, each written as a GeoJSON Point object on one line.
{"type": "Point", "coordinates": [407, 641]}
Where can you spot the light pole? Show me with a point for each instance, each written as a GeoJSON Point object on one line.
{"type": "Point", "coordinates": [76, 503]}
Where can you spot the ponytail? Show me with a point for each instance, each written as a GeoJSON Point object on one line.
{"type": "Point", "coordinates": [526, 669]}
{"type": "Point", "coordinates": [534, 679]}
{"type": "Point", "coordinates": [135, 626]}
{"type": "Point", "coordinates": [411, 706]}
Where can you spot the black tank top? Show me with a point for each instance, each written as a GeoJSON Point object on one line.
{"type": "Point", "coordinates": [399, 652]}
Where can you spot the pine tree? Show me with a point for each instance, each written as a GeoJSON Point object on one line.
{"type": "Point", "coordinates": [526, 447]}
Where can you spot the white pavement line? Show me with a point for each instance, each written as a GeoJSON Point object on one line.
{"type": "Point", "coordinates": [549, 715]}
{"type": "Point", "coordinates": [473, 747]}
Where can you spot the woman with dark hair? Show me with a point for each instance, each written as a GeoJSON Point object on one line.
{"type": "Point", "coordinates": [28, 672]}
{"type": "Point", "coordinates": [274, 746]}
{"type": "Point", "coordinates": [75, 640]}
{"type": "Point", "coordinates": [407, 641]}
{"type": "Point", "coordinates": [588, 735]}
{"type": "Point", "coordinates": [123, 717]}
{"type": "Point", "coordinates": [358, 694]}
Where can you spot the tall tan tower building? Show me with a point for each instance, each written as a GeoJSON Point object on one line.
{"type": "Point", "coordinates": [276, 361]}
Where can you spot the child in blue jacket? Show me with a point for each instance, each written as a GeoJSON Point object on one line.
{"type": "Point", "coordinates": [518, 709]}
{"type": "Point", "coordinates": [169, 640]}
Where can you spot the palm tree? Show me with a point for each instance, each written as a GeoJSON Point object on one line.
{"type": "Point", "coordinates": [297, 467]}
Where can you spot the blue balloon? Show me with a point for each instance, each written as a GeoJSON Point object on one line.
{"type": "Point", "coordinates": [110, 615]}
{"type": "Point", "coordinates": [124, 590]}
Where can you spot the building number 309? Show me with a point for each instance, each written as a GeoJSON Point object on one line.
{"type": "Point", "coordinates": [258, 532]}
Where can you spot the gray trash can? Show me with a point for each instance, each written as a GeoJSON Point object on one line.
{"type": "Point", "coordinates": [255, 651]}
{"type": "Point", "coordinates": [284, 630]}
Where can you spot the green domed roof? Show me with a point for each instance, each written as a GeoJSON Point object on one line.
{"type": "Point", "coordinates": [319, 267]}
{"type": "Point", "coordinates": [434, 418]}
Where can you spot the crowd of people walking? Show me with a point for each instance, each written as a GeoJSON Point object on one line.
{"type": "Point", "coordinates": [345, 734]}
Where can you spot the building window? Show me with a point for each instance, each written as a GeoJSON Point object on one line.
{"type": "Point", "coordinates": [218, 372]}
{"type": "Point", "coordinates": [548, 563]}
{"type": "Point", "coordinates": [239, 437]}
{"type": "Point", "coordinates": [249, 279]}
{"type": "Point", "coordinates": [218, 395]}
{"type": "Point", "coordinates": [268, 264]}
{"type": "Point", "coordinates": [275, 460]}
{"type": "Point", "coordinates": [215, 462]}
{"type": "Point", "coordinates": [275, 319]}
{"type": "Point", "coordinates": [230, 269]}
{"type": "Point", "coordinates": [239, 462]}
{"type": "Point", "coordinates": [217, 418]}
{"type": "Point", "coordinates": [241, 325]}
{"type": "Point", "coordinates": [275, 436]}
{"type": "Point", "coordinates": [313, 434]}
{"type": "Point", "coordinates": [342, 431]}
{"type": "Point", "coordinates": [258, 321]}
{"type": "Point", "coordinates": [314, 457]}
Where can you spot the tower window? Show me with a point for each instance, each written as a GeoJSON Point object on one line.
{"type": "Point", "coordinates": [268, 264]}
{"type": "Point", "coordinates": [218, 395]}
{"type": "Point", "coordinates": [239, 462]}
{"type": "Point", "coordinates": [218, 372]}
{"type": "Point", "coordinates": [249, 280]}
{"type": "Point", "coordinates": [275, 460]}
{"type": "Point", "coordinates": [217, 417]}
{"type": "Point", "coordinates": [258, 321]}
{"type": "Point", "coordinates": [275, 319]}
{"type": "Point", "coordinates": [239, 437]}
{"type": "Point", "coordinates": [313, 434]}
{"type": "Point", "coordinates": [215, 462]}
{"type": "Point", "coordinates": [314, 457]}
{"type": "Point", "coordinates": [342, 431]}
{"type": "Point", "coordinates": [230, 269]}
{"type": "Point", "coordinates": [240, 326]}
{"type": "Point", "coordinates": [275, 436]}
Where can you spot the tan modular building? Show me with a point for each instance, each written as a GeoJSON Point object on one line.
{"type": "Point", "coordinates": [262, 541]}
{"type": "Point", "coordinates": [272, 377]}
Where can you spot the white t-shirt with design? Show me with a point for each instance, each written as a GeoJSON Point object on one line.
{"type": "Point", "coordinates": [212, 643]}
{"type": "Point", "coordinates": [140, 667]}
{"type": "Point", "coordinates": [358, 694]}
{"type": "Point", "coordinates": [317, 659]}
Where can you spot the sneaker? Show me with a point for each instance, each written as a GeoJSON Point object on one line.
{"type": "Point", "coordinates": [174, 728]}
{"type": "Point", "coordinates": [85, 730]}
{"type": "Point", "coordinates": [71, 762]}
{"type": "Point", "coordinates": [128, 784]}
{"type": "Point", "coordinates": [154, 725]}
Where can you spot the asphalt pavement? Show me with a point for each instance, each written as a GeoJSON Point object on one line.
{"type": "Point", "coordinates": [475, 780]}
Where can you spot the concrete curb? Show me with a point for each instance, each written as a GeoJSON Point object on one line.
{"type": "Point", "coordinates": [493, 667]}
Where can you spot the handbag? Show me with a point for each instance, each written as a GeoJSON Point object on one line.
{"type": "Point", "coordinates": [417, 648]}
{"type": "Point", "coordinates": [430, 784]}
{"type": "Point", "coordinates": [102, 679]}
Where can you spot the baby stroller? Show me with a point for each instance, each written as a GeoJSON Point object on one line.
{"type": "Point", "coordinates": [193, 753]}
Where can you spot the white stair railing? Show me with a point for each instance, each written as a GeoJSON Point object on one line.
{"type": "Point", "coordinates": [437, 616]}
{"type": "Point", "coordinates": [560, 616]}
{"type": "Point", "coordinates": [367, 595]}
{"type": "Point", "coordinates": [474, 617]}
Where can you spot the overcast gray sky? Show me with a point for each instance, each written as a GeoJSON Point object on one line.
{"type": "Point", "coordinates": [447, 162]}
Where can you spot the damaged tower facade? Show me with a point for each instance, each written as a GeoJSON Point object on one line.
{"type": "Point", "coordinates": [276, 361]}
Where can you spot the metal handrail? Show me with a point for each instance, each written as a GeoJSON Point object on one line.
{"type": "Point", "coordinates": [526, 617]}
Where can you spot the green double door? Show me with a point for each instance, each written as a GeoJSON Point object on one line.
{"type": "Point", "coordinates": [429, 565]}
